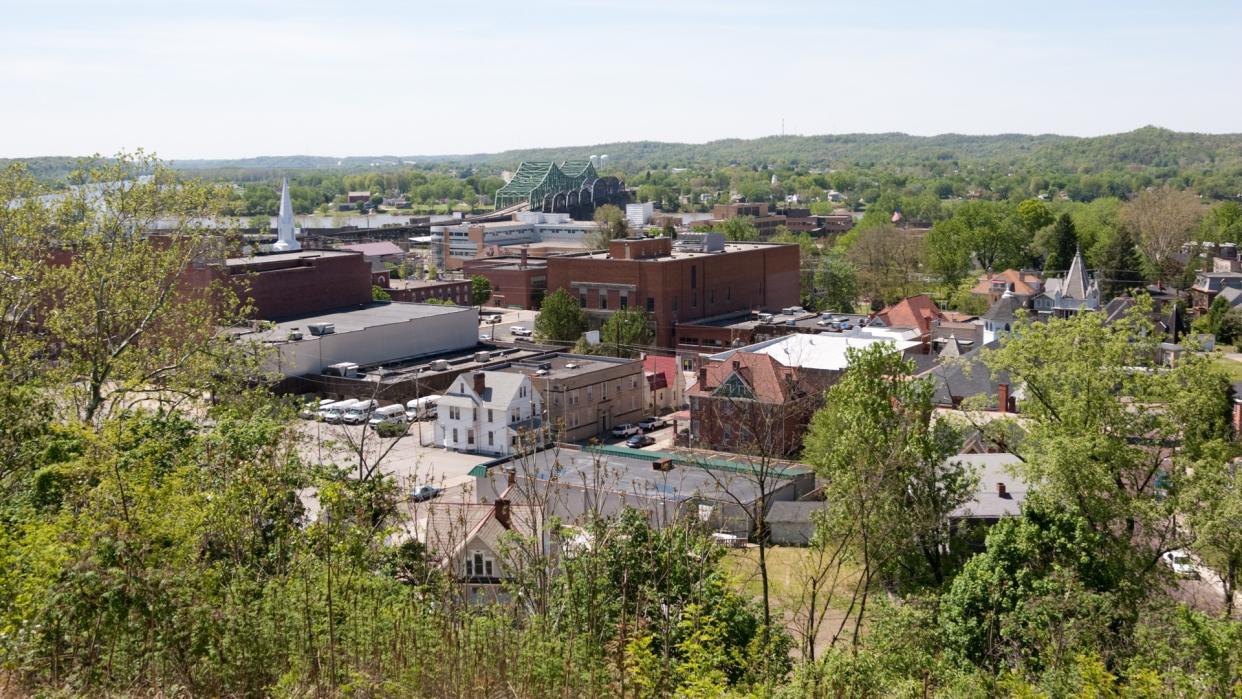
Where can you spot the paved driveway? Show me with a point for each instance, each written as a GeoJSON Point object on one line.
{"type": "Point", "coordinates": [404, 457]}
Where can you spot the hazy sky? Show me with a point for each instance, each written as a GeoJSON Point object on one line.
{"type": "Point", "coordinates": [233, 78]}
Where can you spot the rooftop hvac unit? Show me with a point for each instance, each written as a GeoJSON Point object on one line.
{"type": "Point", "coordinates": [295, 335]}
{"type": "Point", "coordinates": [482, 356]}
{"type": "Point", "coordinates": [440, 365]}
{"type": "Point", "coordinates": [321, 328]}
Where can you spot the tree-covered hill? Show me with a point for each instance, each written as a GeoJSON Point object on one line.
{"type": "Point", "coordinates": [1148, 147]}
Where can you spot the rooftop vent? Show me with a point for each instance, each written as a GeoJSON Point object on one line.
{"type": "Point", "coordinates": [321, 328]}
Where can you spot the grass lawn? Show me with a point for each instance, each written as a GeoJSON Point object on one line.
{"type": "Point", "coordinates": [1232, 369]}
{"type": "Point", "coordinates": [785, 564]}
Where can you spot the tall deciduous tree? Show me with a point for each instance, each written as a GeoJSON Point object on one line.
{"type": "Point", "coordinates": [1034, 215]}
{"type": "Point", "coordinates": [888, 488]}
{"type": "Point", "coordinates": [887, 260]}
{"type": "Point", "coordinates": [835, 283]}
{"type": "Point", "coordinates": [560, 319]}
{"type": "Point", "coordinates": [129, 311]}
{"type": "Point", "coordinates": [1162, 220]}
{"type": "Point", "coordinates": [1086, 447]}
{"type": "Point", "coordinates": [624, 334]}
{"type": "Point", "coordinates": [741, 228]}
{"type": "Point", "coordinates": [480, 290]}
{"type": "Point", "coordinates": [611, 224]}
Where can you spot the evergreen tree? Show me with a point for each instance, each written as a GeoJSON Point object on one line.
{"type": "Point", "coordinates": [1119, 265]}
{"type": "Point", "coordinates": [1062, 247]}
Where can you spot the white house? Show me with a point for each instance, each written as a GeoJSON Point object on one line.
{"type": "Point", "coordinates": [486, 412]}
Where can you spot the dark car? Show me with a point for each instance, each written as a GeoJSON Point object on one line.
{"type": "Point", "coordinates": [639, 441]}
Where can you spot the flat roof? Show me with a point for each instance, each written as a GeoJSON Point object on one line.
{"type": "Point", "coordinates": [359, 318]}
{"type": "Point", "coordinates": [287, 256]}
{"type": "Point", "coordinates": [686, 254]}
{"type": "Point", "coordinates": [747, 321]}
{"type": "Point", "coordinates": [421, 283]}
{"type": "Point", "coordinates": [558, 365]}
{"type": "Point", "coordinates": [635, 475]}
{"type": "Point", "coordinates": [824, 351]}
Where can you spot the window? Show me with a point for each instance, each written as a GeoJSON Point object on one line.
{"type": "Point", "coordinates": [603, 299]}
{"type": "Point", "coordinates": [650, 304]}
{"type": "Point", "coordinates": [590, 394]}
{"type": "Point", "coordinates": [582, 299]}
{"type": "Point", "coordinates": [573, 398]}
{"type": "Point", "coordinates": [573, 420]}
{"type": "Point", "coordinates": [603, 389]}
{"type": "Point", "coordinates": [478, 567]}
{"type": "Point", "coordinates": [489, 415]}
{"type": "Point", "coordinates": [491, 439]}
{"type": "Point", "coordinates": [469, 436]}
{"type": "Point", "coordinates": [521, 391]}
{"type": "Point", "coordinates": [454, 435]}
{"type": "Point", "coordinates": [454, 413]}
{"type": "Point", "coordinates": [633, 382]}
{"type": "Point", "coordinates": [515, 415]}
{"type": "Point", "coordinates": [694, 277]}
{"type": "Point", "coordinates": [625, 302]}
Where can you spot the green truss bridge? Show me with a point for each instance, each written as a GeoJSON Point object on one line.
{"type": "Point", "coordinates": [573, 187]}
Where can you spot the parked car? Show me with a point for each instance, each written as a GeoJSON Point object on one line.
{"type": "Point", "coordinates": [312, 409]}
{"type": "Point", "coordinates": [639, 441]}
{"type": "Point", "coordinates": [484, 337]}
{"type": "Point", "coordinates": [333, 413]}
{"type": "Point", "coordinates": [388, 415]}
{"type": "Point", "coordinates": [648, 424]}
{"type": "Point", "coordinates": [360, 412]}
{"type": "Point", "coordinates": [422, 493]}
{"type": "Point", "coordinates": [1182, 564]}
{"type": "Point", "coordinates": [422, 408]}
{"type": "Point", "coordinates": [627, 429]}
{"type": "Point", "coordinates": [521, 330]}
{"type": "Point", "coordinates": [489, 318]}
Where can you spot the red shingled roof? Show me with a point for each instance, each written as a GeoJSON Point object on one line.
{"type": "Point", "coordinates": [1023, 283]}
{"type": "Point", "coordinates": [662, 369]}
{"type": "Point", "coordinates": [913, 312]}
{"type": "Point", "coordinates": [768, 379]}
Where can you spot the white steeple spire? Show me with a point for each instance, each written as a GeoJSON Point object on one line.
{"type": "Point", "coordinates": [286, 234]}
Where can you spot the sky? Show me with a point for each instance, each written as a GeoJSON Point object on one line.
{"type": "Point", "coordinates": [242, 78]}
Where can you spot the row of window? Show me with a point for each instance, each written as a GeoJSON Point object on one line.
{"type": "Point", "coordinates": [515, 415]}
{"type": "Point", "coordinates": [491, 438]}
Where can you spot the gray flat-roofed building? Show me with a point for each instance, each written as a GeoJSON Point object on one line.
{"type": "Point", "coordinates": [374, 334]}
{"type": "Point", "coordinates": [579, 483]}
{"type": "Point", "coordinates": [793, 523]}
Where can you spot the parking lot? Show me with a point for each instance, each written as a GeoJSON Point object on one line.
{"type": "Point", "coordinates": [502, 330]}
{"type": "Point", "coordinates": [411, 458]}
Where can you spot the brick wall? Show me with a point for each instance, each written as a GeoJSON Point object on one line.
{"type": "Point", "coordinates": [683, 288]}
{"type": "Point", "coordinates": [310, 286]}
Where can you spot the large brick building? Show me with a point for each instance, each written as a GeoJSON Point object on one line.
{"type": "Point", "coordinates": [297, 283]}
{"type": "Point", "coordinates": [517, 281]}
{"type": "Point", "coordinates": [680, 283]}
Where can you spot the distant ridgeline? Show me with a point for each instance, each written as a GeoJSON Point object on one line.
{"type": "Point", "coordinates": [1148, 147]}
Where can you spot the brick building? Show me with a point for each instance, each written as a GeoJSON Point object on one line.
{"type": "Point", "coordinates": [750, 404]}
{"type": "Point", "coordinates": [421, 290]}
{"type": "Point", "coordinates": [765, 221]}
{"type": "Point", "coordinates": [678, 284]}
{"type": "Point", "coordinates": [584, 396]}
{"type": "Point", "coordinates": [297, 283]}
{"type": "Point", "coordinates": [517, 281]}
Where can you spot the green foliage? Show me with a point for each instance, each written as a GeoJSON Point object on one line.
{"type": "Point", "coordinates": [480, 290]}
{"type": "Point", "coordinates": [1034, 215]}
{"type": "Point", "coordinates": [1063, 247]}
{"type": "Point", "coordinates": [380, 294]}
{"type": "Point", "coordinates": [738, 228]}
{"type": "Point", "coordinates": [626, 333]}
{"type": "Point", "coordinates": [1119, 264]}
{"type": "Point", "coordinates": [560, 319]}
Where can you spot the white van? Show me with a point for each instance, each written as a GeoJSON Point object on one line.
{"type": "Point", "coordinates": [389, 414]}
{"type": "Point", "coordinates": [335, 411]}
{"type": "Point", "coordinates": [359, 412]}
{"type": "Point", "coordinates": [422, 408]}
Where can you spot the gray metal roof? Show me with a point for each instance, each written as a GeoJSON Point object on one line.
{"type": "Point", "coordinates": [987, 503]}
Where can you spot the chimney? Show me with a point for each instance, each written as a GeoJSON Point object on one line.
{"type": "Point", "coordinates": [1002, 397]}
{"type": "Point", "coordinates": [511, 476]}
{"type": "Point", "coordinates": [1000, 490]}
{"type": "Point", "coordinates": [703, 378]}
{"type": "Point", "coordinates": [522, 265]}
{"type": "Point", "coordinates": [1237, 416]}
{"type": "Point", "coordinates": [501, 510]}
{"type": "Point", "coordinates": [736, 365]}
{"type": "Point", "coordinates": [480, 382]}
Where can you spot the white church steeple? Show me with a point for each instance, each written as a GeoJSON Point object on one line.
{"type": "Point", "coordinates": [286, 234]}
